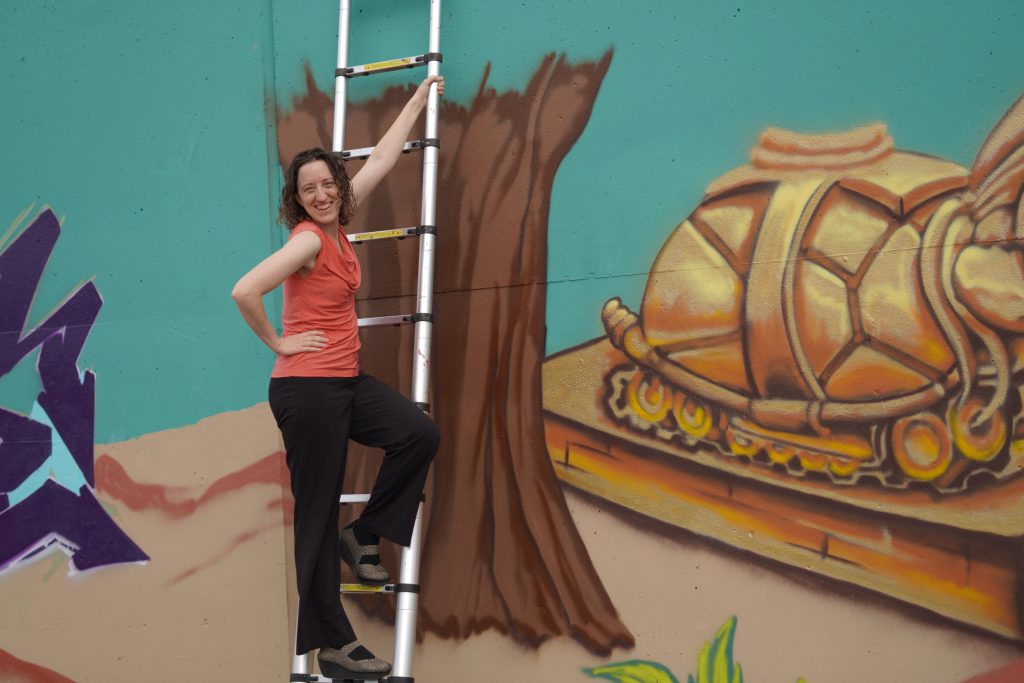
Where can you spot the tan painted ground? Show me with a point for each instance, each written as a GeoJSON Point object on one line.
{"type": "Point", "coordinates": [132, 622]}
{"type": "Point", "coordinates": [676, 591]}
{"type": "Point", "coordinates": [230, 618]}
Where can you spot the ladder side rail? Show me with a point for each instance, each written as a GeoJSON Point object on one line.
{"type": "Point", "coordinates": [408, 603]}
{"type": "Point", "coordinates": [425, 285]}
{"type": "Point", "coordinates": [408, 600]}
{"type": "Point", "coordinates": [340, 82]}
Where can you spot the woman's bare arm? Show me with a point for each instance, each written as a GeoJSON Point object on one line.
{"type": "Point", "coordinates": [270, 273]}
{"type": "Point", "coordinates": [387, 151]}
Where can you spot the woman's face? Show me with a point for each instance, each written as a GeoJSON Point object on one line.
{"type": "Point", "coordinates": [318, 194]}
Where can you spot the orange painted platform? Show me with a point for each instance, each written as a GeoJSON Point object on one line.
{"type": "Point", "coordinates": [956, 555]}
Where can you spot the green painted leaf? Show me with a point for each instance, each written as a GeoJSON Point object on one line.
{"type": "Point", "coordinates": [635, 671]}
{"type": "Point", "coordinates": [704, 665]}
{"type": "Point", "coordinates": [715, 665]}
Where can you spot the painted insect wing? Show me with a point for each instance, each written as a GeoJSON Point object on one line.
{"type": "Point", "coordinates": [692, 309]}
{"type": "Point", "coordinates": [862, 320]}
{"type": "Point", "coordinates": [806, 284]}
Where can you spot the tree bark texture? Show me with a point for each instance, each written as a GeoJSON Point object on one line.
{"type": "Point", "coordinates": [501, 550]}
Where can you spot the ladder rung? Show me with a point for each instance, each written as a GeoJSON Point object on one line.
{"type": "Point", "coordinates": [388, 65]}
{"type": "Point", "coordinates": [397, 233]}
{"type": "Point", "coordinates": [314, 678]}
{"type": "Point", "coordinates": [385, 320]}
{"type": "Point", "coordinates": [365, 588]}
{"type": "Point", "coordinates": [364, 152]}
{"type": "Point", "coordinates": [397, 319]}
{"type": "Point", "coordinates": [354, 498]}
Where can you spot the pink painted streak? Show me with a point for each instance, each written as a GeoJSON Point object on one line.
{"type": "Point", "coordinates": [114, 481]}
{"type": "Point", "coordinates": [14, 670]}
{"type": "Point", "coordinates": [1013, 673]}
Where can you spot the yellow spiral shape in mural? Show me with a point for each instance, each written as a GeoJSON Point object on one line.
{"type": "Point", "coordinates": [981, 442]}
{"type": "Point", "coordinates": [813, 462]}
{"type": "Point", "coordinates": [781, 453]}
{"type": "Point", "coordinates": [921, 446]}
{"type": "Point", "coordinates": [691, 416]}
{"type": "Point", "coordinates": [843, 467]}
{"type": "Point", "coordinates": [741, 444]}
{"type": "Point", "coordinates": [648, 398]}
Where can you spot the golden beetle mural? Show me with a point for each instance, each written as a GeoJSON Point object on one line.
{"type": "Point", "coordinates": [839, 309]}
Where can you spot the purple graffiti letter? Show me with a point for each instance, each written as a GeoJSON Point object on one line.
{"type": "Point", "coordinates": [51, 515]}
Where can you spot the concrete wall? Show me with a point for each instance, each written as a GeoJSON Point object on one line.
{"type": "Point", "coordinates": [659, 492]}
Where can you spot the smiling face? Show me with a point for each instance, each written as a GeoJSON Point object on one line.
{"type": "Point", "coordinates": [318, 194]}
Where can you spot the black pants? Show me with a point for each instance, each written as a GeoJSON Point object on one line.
{"type": "Point", "coordinates": [317, 416]}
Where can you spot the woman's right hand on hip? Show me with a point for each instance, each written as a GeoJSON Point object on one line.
{"type": "Point", "coordinates": [313, 340]}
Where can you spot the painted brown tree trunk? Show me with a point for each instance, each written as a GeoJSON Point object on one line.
{"type": "Point", "coordinates": [502, 550]}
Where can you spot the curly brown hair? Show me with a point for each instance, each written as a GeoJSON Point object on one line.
{"type": "Point", "coordinates": [291, 213]}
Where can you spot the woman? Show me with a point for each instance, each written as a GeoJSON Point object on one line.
{"type": "Point", "coordinates": [320, 399]}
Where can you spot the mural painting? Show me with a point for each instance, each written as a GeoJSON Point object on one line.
{"type": "Point", "coordinates": [20, 671]}
{"type": "Point", "coordinates": [47, 480]}
{"type": "Point", "coordinates": [509, 557]}
{"type": "Point", "coordinates": [825, 370]}
{"type": "Point", "coordinates": [1006, 674]}
{"type": "Point", "coordinates": [819, 389]}
{"type": "Point", "coordinates": [715, 664]}
{"type": "Point", "coordinates": [55, 494]}
{"type": "Point", "coordinates": [207, 502]}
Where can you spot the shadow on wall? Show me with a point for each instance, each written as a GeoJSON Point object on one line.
{"type": "Point", "coordinates": [502, 549]}
{"type": "Point", "coordinates": [825, 370]}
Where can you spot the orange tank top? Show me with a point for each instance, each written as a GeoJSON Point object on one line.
{"type": "Point", "coordinates": [323, 299]}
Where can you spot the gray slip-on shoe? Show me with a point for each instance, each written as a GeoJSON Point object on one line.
{"type": "Point", "coordinates": [338, 663]}
{"type": "Point", "coordinates": [352, 553]}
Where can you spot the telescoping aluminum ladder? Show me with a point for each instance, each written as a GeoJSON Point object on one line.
{"type": "Point", "coordinates": [407, 588]}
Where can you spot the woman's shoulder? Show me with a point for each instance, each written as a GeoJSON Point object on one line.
{"type": "Point", "coordinates": [305, 238]}
{"type": "Point", "coordinates": [308, 230]}
{"type": "Point", "coordinates": [306, 226]}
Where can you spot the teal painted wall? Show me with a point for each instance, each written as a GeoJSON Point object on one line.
{"type": "Point", "coordinates": [146, 127]}
{"type": "Point", "coordinates": [149, 128]}
{"type": "Point", "coordinates": [710, 76]}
